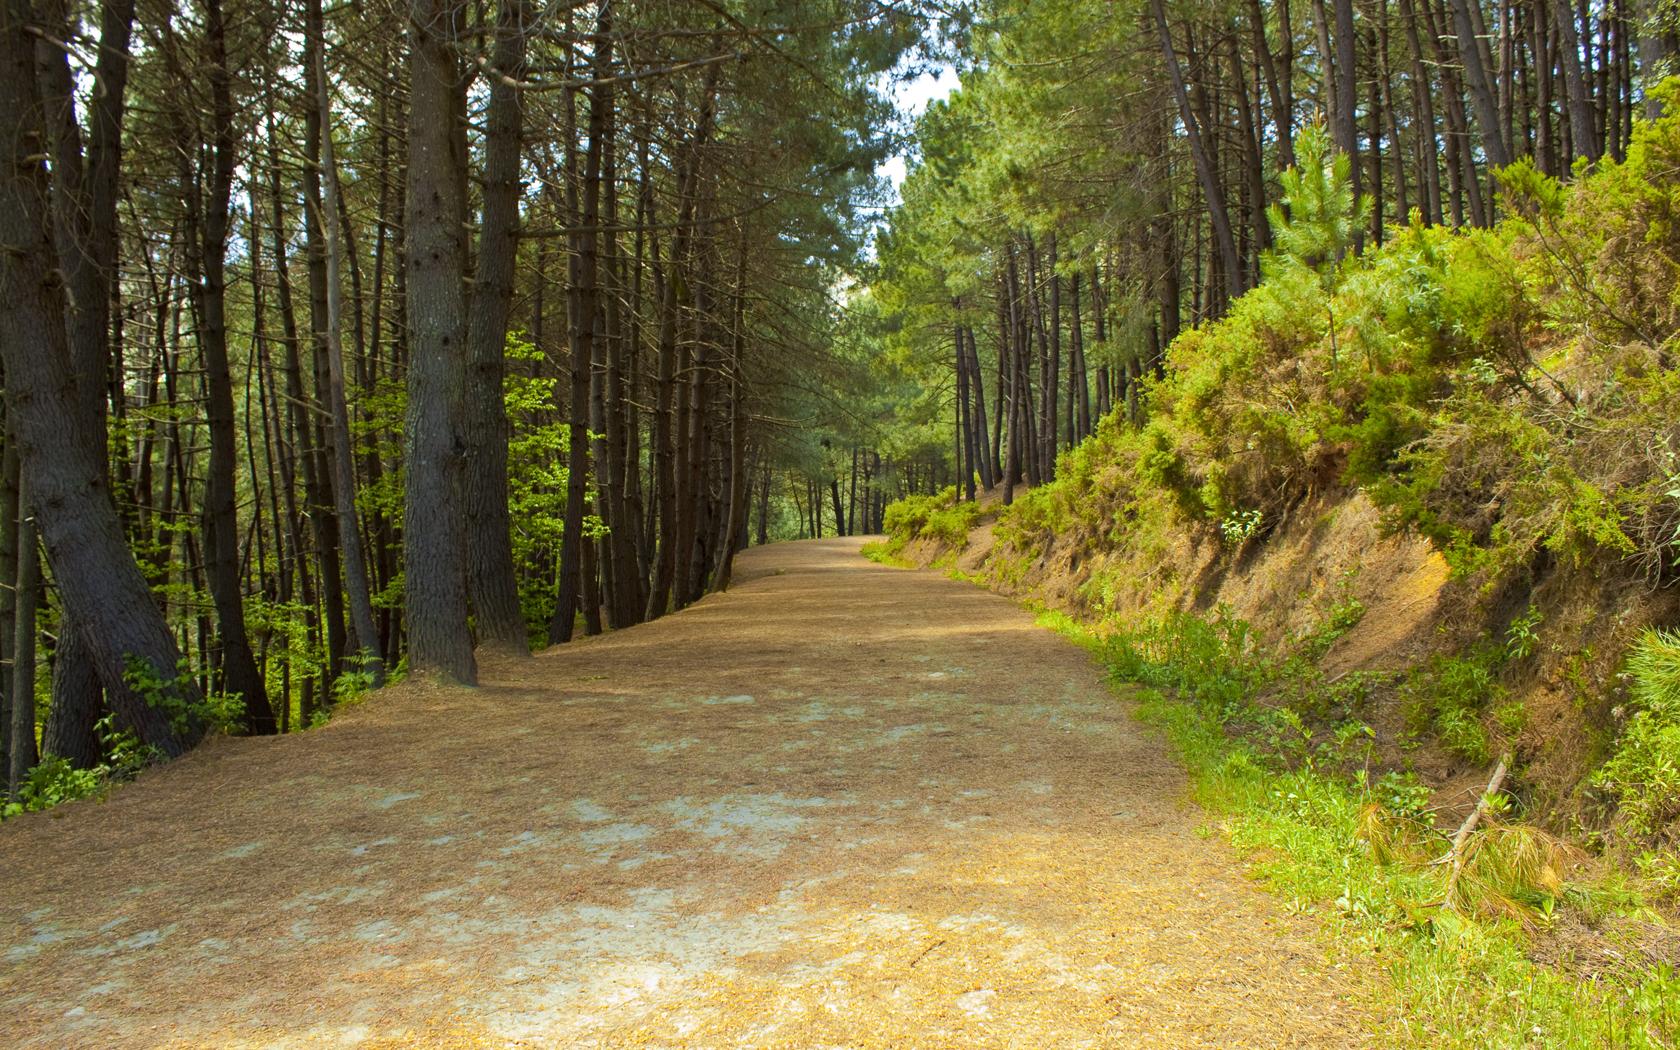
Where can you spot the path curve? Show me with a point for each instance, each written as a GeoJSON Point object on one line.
{"type": "Point", "coordinates": [842, 805]}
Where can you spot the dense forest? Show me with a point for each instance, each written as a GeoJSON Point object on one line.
{"type": "Point", "coordinates": [1311, 364]}
{"type": "Point", "coordinates": [1105, 179]}
{"type": "Point", "coordinates": [342, 339]}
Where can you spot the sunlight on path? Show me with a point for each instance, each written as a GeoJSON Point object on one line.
{"type": "Point", "coordinates": [842, 805]}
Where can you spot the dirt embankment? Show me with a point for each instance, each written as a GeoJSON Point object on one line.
{"type": "Point", "coordinates": [1329, 556]}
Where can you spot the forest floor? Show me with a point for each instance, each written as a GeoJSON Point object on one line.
{"type": "Point", "coordinates": [840, 805]}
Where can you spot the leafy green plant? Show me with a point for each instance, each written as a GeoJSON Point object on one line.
{"type": "Point", "coordinates": [941, 516]}
{"type": "Point", "coordinates": [1448, 695]}
{"type": "Point", "coordinates": [216, 711]}
{"type": "Point", "coordinates": [1523, 636]}
{"type": "Point", "coordinates": [1644, 771]}
{"type": "Point", "coordinates": [1237, 527]}
{"type": "Point", "coordinates": [54, 780]}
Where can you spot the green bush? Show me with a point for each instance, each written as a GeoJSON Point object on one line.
{"type": "Point", "coordinates": [52, 781]}
{"type": "Point", "coordinates": [55, 780]}
{"type": "Point", "coordinates": [941, 516]}
{"type": "Point", "coordinates": [1644, 771]}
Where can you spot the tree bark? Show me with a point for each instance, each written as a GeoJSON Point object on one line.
{"type": "Point", "coordinates": [63, 465]}
{"type": "Point", "coordinates": [1583, 135]}
{"type": "Point", "coordinates": [1480, 84]}
{"type": "Point", "coordinates": [365, 632]}
{"type": "Point", "coordinates": [1212, 192]}
{"type": "Point", "coordinates": [85, 212]}
{"type": "Point", "coordinates": [492, 586]}
{"type": "Point", "coordinates": [439, 641]}
{"type": "Point", "coordinates": [22, 756]}
{"type": "Point", "coordinates": [208, 234]}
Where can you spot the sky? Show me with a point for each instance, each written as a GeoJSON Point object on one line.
{"type": "Point", "coordinates": [913, 97]}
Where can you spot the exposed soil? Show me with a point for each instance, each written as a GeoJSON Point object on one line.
{"type": "Point", "coordinates": [841, 805]}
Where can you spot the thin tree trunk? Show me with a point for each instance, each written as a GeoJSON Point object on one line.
{"type": "Point", "coordinates": [1212, 192]}
{"type": "Point", "coordinates": [365, 634]}
{"type": "Point", "coordinates": [1480, 84]}
{"type": "Point", "coordinates": [208, 231]}
{"type": "Point", "coordinates": [1583, 136]}
{"type": "Point", "coordinates": [22, 756]}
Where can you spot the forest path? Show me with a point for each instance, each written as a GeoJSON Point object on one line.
{"type": "Point", "coordinates": [841, 805]}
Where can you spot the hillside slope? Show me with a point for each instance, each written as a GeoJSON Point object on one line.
{"type": "Point", "coordinates": [1433, 487]}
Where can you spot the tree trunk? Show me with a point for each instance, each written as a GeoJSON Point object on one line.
{"type": "Point", "coordinates": [365, 632]}
{"type": "Point", "coordinates": [27, 583]}
{"type": "Point", "coordinates": [493, 589]}
{"type": "Point", "coordinates": [1346, 115]}
{"type": "Point", "coordinates": [434, 564]}
{"type": "Point", "coordinates": [208, 230]}
{"type": "Point", "coordinates": [1212, 192]}
{"type": "Point", "coordinates": [1583, 136]}
{"type": "Point", "coordinates": [62, 465]}
{"type": "Point", "coordinates": [1480, 84]}
{"type": "Point", "coordinates": [85, 210]}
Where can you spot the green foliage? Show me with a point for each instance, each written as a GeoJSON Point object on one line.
{"type": "Point", "coordinates": [1644, 771]}
{"type": "Point", "coordinates": [214, 711]}
{"type": "Point", "coordinates": [942, 517]}
{"type": "Point", "coordinates": [538, 442]}
{"type": "Point", "coordinates": [1448, 695]}
{"type": "Point", "coordinates": [1463, 379]}
{"type": "Point", "coordinates": [54, 780]}
{"type": "Point", "coordinates": [1319, 218]}
{"type": "Point", "coordinates": [1239, 526]}
{"type": "Point", "coordinates": [358, 678]}
{"type": "Point", "coordinates": [51, 782]}
{"type": "Point", "coordinates": [1358, 853]}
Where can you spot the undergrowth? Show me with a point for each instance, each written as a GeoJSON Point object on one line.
{"type": "Point", "coordinates": [1363, 851]}
{"type": "Point", "coordinates": [941, 517]}
{"type": "Point", "coordinates": [1506, 394]}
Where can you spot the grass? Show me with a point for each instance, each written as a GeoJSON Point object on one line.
{"type": "Point", "coordinates": [1452, 980]}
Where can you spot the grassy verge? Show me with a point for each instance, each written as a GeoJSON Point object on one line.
{"type": "Point", "coordinates": [1325, 840]}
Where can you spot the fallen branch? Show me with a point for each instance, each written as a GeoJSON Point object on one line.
{"type": "Point", "coordinates": [1461, 837]}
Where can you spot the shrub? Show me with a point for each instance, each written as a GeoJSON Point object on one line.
{"type": "Point", "coordinates": [1644, 771]}
{"type": "Point", "coordinates": [941, 516]}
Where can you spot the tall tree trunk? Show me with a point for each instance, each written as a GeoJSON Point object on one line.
{"type": "Point", "coordinates": [1583, 135]}
{"type": "Point", "coordinates": [1282, 118]}
{"type": "Point", "coordinates": [439, 641]}
{"type": "Point", "coordinates": [492, 586]}
{"type": "Point", "coordinates": [208, 234]}
{"type": "Point", "coordinates": [323, 504]}
{"type": "Point", "coordinates": [739, 490]}
{"type": "Point", "coordinates": [1476, 75]}
{"type": "Point", "coordinates": [62, 465]}
{"type": "Point", "coordinates": [1429, 162]}
{"type": "Point", "coordinates": [9, 481]}
{"type": "Point", "coordinates": [20, 738]}
{"type": "Point", "coordinates": [1212, 192]}
{"type": "Point", "coordinates": [85, 212]}
{"type": "Point", "coordinates": [1082, 384]}
{"type": "Point", "coordinates": [1345, 111]}
{"type": "Point", "coordinates": [666, 430]}
{"type": "Point", "coordinates": [365, 631]}
{"type": "Point", "coordinates": [582, 309]}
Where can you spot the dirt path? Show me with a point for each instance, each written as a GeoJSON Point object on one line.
{"type": "Point", "coordinates": [842, 805]}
